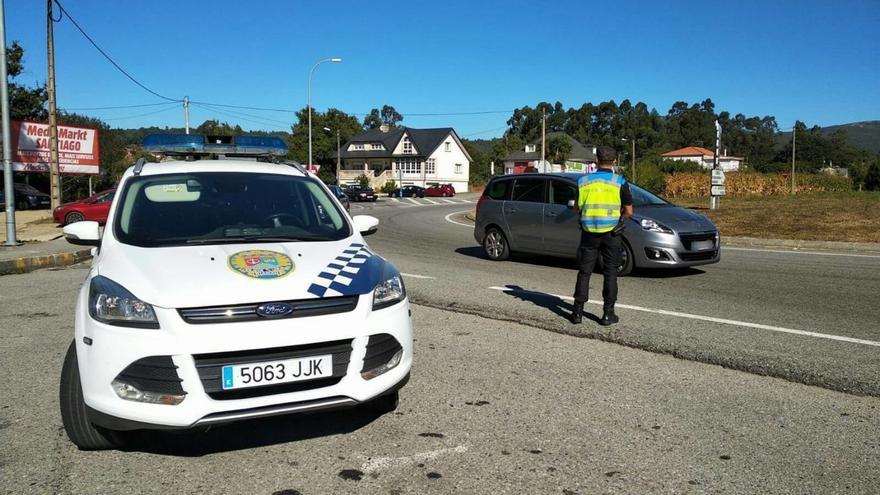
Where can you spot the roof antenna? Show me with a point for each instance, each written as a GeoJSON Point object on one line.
{"type": "Point", "coordinates": [139, 165]}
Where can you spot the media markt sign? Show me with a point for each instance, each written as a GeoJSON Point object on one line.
{"type": "Point", "coordinates": [78, 151]}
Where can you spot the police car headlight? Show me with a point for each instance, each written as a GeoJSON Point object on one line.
{"type": "Point", "coordinates": [113, 304]}
{"type": "Point", "coordinates": [653, 226]}
{"type": "Point", "coordinates": [389, 292]}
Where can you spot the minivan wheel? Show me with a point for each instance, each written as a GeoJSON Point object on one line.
{"type": "Point", "coordinates": [626, 260]}
{"type": "Point", "coordinates": [80, 430]}
{"type": "Point", "coordinates": [495, 245]}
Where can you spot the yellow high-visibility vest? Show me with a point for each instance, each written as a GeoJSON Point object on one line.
{"type": "Point", "coordinates": [599, 201]}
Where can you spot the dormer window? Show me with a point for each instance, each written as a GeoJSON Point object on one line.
{"type": "Point", "coordinates": [407, 145]}
{"type": "Point", "coordinates": [530, 148]}
{"type": "Point", "coordinates": [376, 146]}
{"type": "Point", "coordinates": [359, 147]}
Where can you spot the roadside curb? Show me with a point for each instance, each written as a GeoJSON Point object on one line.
{"type": "Point", "coordinates": [30, 263]}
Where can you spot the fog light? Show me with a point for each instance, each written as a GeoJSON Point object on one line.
{"type": "Point", "coordinates": [391, 364]}
{"type": "Point", "coordinates": [128, 391]}
{"type": "Point", "coordinates": [657, 254]}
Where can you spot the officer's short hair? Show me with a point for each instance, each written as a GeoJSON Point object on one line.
{"type": "Point", "coordinates": [606, 154]}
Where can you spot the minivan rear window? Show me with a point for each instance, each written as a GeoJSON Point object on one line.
{"type": "Point", "coordinates": [499, 189]}
{"type": "Point", "coordinates": [531, 190]}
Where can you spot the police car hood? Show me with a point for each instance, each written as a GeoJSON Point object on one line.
{"type": "Point", "coordinates": [209, 275]}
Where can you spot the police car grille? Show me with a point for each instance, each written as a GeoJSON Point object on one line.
{"type": "Point", "coordinates": [209, 367]}
{"type": "Point", "coordinates": [248, 312]}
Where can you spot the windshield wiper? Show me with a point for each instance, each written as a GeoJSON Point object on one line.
{"type": "Point", "coordinates": [251, 238]}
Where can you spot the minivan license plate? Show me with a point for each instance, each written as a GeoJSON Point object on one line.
{"type": "Point", "coordinates": [274, 372]}
{"type": "Point", "coordinates": [702, 245]}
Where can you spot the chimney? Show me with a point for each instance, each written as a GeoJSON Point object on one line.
{"type": "Point", "coordinates": [384, 128]}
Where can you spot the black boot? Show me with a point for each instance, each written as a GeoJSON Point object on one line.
{"type": "Point", "coordinates": [578, 314]}
{"type": "Point", "coordinates": [608, 317]}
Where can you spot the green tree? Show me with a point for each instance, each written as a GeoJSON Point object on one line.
{"type": "Point", "coordinates": [24, 103]}
{"type": "Point", "coordinates": [214, 127]}
{"type": "Point", "coordinates": [323, 142]}
{"type": "Point", "coordinates": [872, 179]}
{"type": "Point", "coordinates": [558, 148]}
{"type": "Point", "coordinates": [387, 116]}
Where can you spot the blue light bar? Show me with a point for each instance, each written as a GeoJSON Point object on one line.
{"type": "Point", "coordinates": [197, 144]}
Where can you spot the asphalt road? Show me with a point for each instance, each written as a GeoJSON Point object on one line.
{"type": "Point", "coordinates": [493, 407]}
{"type": "Point", "coordinates": [788, 314]}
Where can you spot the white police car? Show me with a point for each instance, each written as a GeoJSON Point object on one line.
{"type": "Point", "coordinates": [228, 289]}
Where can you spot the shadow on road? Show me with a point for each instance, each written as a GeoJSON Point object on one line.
{"type": "Point", "coordinates": [249, 434]}
{"type": "Point", "coordinates": [546, 301]}
{"type": "Point", "coordinates": [568, 263]}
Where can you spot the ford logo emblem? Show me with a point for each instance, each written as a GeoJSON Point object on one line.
{"type": "Point", "coordinates": [274, 310]}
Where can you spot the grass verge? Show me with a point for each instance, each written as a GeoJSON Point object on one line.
{"type": "Point", "coordinates": [848, 217]}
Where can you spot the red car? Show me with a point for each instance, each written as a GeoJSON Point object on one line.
{"type": "Point", "coordinates": [443, 190]}
{"type": "Point", "coordinates": [95, 207]}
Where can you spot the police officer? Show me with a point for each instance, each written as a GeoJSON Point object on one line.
{"type": "Point", "coordinates": [605, 203]}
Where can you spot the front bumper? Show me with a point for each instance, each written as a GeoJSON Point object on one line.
{"type": "Point", "coordinates": [657, 250]}
{"type": "Point", "coordinates": [113, 349]}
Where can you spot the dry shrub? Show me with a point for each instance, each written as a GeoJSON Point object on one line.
{"type": "Point", "coordinates": [750, 183]}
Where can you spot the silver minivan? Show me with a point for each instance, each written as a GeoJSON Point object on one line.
{"type": "Point", "coordinates": [534, 213]}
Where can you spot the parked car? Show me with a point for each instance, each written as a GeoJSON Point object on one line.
{"type": "Point", "coordinates": [443, 190]}
{"type": "Point", "coordinates": [341, 196]}
{"type": "Point", "coordinates": [360, 193]}
{"type": "Point", "coordinates": [95, 207]}
{"type": "Point", "coordinates": [27, 197]}
{"type": "Point", "coordinates": [226, 290]}
{"type": "Point", "coordinates": [534, 213]}
{"type": "Point", "coordinates": [408, 192]}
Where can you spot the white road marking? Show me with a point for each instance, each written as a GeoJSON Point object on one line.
{"type": "Point", "coordinates": [412, 200]}
{"type": "Point", "coordinates": [466, 201]}
{"type": "Point", "coordinates": [395, 200]}
{"type": "Point", "coordinates": [413, 275]}
{"type": "Point", "coordinates": [431, 201]}
{"type": "Point", "coordinates": [713, 319]}
{"type": "Point", "coordinates": [458, 223]}
{"type": "Point", "coordinates": [449, 201]}
{"type": "Point", "coordinates": [379, 463]}
{"type": "Point", "coordinates": [797, 251]}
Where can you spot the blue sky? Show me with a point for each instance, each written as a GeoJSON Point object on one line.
{"type": "Point", "coordinates": [816, 61]}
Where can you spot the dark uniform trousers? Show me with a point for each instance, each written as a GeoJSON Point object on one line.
{"type": "Point", "coordinates": [592, 245]}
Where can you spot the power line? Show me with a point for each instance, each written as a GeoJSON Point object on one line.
{"type": "Point", "coordinates": [483, 132]}
{"type": "Point", "coordinates": [118, 67]}
{"type": "Point", "coordinates": [78, 109]}
{"type": "Point", "coordinates": [141, 115]}
{"type": "Point", "coordinates": [212, 107]}
{"type": "Point", "coordinates": [228, 114]}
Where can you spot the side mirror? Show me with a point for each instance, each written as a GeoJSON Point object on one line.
{"type": "Point", "coordinates": [570, 203]}
{"type": "Point", "coordinates": [365, 224]}
{"type": "Point", "coordinates": [85, 233]}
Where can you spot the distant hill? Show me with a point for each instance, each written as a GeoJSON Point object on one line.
{"type": "Point", "coordinates": [862, 134]}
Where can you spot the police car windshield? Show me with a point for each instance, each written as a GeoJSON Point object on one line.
{"type": "Point", "coordinates": [225, 207]}
{"type": "Point", "coordinates": [643, 198]}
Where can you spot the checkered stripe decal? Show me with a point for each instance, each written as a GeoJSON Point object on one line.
{"type": "Point", "coordinates": [334, 279]}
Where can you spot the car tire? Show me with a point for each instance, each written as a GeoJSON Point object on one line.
{"type": "Point", "coordinates": [80, 430]}
{"type": "Point", "coordinates": [627, 263]}
{"type": "Point", "coordinates": [495, 245]}
{"type": "Point", "coordinates": [73, 217]}
{"type": "Point", "coordinates": [384, 404]}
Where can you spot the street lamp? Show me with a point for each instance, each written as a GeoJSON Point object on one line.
{"type": "Point", "coordinates": [633, 157]}
{"type": "Point", "coordinates": [334, 60]}
{"type": "Point", "coordinates": [338, 148]}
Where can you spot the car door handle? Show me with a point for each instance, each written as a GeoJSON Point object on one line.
{"type": "Point", "coordinates": [551, 214]}
{"type": "Point", "coordinates": [510, 210]}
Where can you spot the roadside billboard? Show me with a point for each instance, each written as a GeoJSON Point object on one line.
{"type": "Point", "coordinates": [78, 151]}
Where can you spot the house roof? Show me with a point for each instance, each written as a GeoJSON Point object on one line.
{"type": "Point", "coordinates": [425, 141]}
{"type": "Point", "coordinates": [578, 150]}
{"type": "Point", "coordinates": [696, 151]}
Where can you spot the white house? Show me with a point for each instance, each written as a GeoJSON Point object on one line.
{"type": "Point", "coordinates": [580, 158]}
{"type": "Point", "coordinates": [406, 156]}
{"type": "Point", "coordinates": [705, 158]}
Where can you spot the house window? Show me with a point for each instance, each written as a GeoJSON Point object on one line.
{"type": "Point", "coordinates": [448, 146]}
{"type": "Point", "coordinates": [359, 147]}
{"type": "Point", "coordinates": [376, 146]}
{"type": "Point", "coordinates": [407, 146]}
{"type": "Point", "coordinates": [458, 168]}
{"type": "Point", "coordinates": [409, 166]}
{"type": "Point", "coordinates": [530, 148]}
{"type": "Point", "coordinates": [430, 167]}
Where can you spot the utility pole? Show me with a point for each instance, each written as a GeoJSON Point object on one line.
{"type": "Point", "coordinates": [713, 199]}
{"type": "Point", "coordinates": [9, 188]}
{"type": "Point", "coordinates": [543, 139]}
{"type": "Point", "coordinates": [338, 152]}
{"type": "Point", "coordinates": [186, 113]}
{"type": "Point", "coordinates": [793, 143]}
{"type": "Point", "coordinates": [54, 175]}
